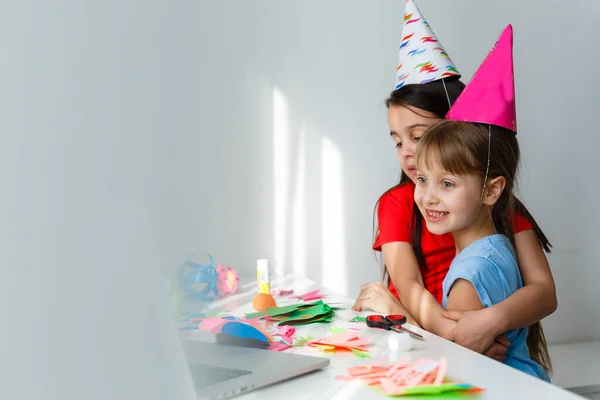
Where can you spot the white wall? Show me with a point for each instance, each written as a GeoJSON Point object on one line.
{"type": "Point", "coordinates": [86, 157]}
{"type": "Point", "coordinates": [134, 134]}
{"type": "Point", "coordinates": [284, 144]}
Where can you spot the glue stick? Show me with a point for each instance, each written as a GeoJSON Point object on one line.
{"type": "Point", "coordinates": [263, 299]}
{"type": "Point", "coordinates": [262, 276]}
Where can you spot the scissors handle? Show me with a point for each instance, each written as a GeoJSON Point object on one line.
{"type": "Point", "coordinates": [378, 321]}
{"type": "Point", "coordinates": [396, 319]}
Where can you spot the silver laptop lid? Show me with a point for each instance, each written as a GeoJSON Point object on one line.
{"type": "Point", "coordinates": [220, 372]}
{"type": "Point", "coordinates": [85, 313]}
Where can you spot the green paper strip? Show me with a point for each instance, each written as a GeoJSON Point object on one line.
{"type": "Point", "coordinates": [309, 312]}
{"type": "Point", "coordinates": [361, 354]}
{"type": "Point", "coordinates": [275, 311]}
{"type": "Point", "coordinates": [443, 388]}
{"type": "Point", "coordinates": [325, 318]}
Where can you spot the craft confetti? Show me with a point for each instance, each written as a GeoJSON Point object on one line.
{"type": "Point", "coordinates": [314, 295]}
{"type": "Point", "coordinates": [334, 330]}
{"type": "Point", "coordinates": [302, 341]}
{"type": "Point", "coordinates": [361, 354]}
{"type": "Point", "coordinates": [342, 341]}
{"type": "Point", "coordinates": [423, 376]}
{"type": "Point", "coordinates": [282, 292]}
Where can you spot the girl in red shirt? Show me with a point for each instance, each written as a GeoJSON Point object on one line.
{"type": "Point", "coordinates": [417, 261]}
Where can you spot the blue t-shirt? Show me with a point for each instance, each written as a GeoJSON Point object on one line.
{"type": "Point", "coordinates": [490, 264]}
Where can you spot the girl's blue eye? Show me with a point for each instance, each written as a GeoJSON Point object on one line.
{"type": "Point", "coordinates": [421, 180]}
{"type": "Point", "coordinates": [447, 184]}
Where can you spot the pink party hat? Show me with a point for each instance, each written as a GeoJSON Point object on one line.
{"type": "Point", "coordinates": [421, 57]}
{"type": "Point", "coordinates": [489, 97]}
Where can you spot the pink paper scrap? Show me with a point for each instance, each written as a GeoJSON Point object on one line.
{"type": "Point", "coordinates": [314, 295]}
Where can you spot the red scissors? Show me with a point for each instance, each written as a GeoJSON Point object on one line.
{"type": "Point", "coordinates": [391, 323]}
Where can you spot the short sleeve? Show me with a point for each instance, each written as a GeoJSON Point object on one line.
{"type": "Point", "coordinates": [520, 223]}
{"type": "Point", "coordinates": [393, 218]}
{"type": "Point", "coordinates": [483, 275]}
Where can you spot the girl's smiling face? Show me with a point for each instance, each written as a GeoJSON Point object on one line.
{"type": "Point", "coordinates": [449, 202]}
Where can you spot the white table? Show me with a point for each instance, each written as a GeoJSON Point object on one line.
{"type": "Point", "coordinates": [499, 380]}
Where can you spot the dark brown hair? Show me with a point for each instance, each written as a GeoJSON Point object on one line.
{"type": "Point", "coordinates": [429, 97]}
{"type": "Point", "coordinates": [461, 148]}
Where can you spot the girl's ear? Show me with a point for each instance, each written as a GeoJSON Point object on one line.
{"type": "Point", "coordinates": [493, 190]}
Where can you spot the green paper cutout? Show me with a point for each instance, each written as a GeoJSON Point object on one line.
{"type": "Point", "coordinates": [334, 330]}
{"type": "Point", "coordinates": [361, 354]}
{"type": "Point", "coordinates": [299, 323]}
{"type": "Point", "coordinates": [318, 312]}
{"type": "Point", "coordinates": [309, 312]}
{"type": "Point", "coordinates": [216, 314]}
{"type": "Point", "coordinates": [298, 314]}
{"type": "Point", "coordinates": [277, 311]}
{"type": "Point", "coordinates": [437, 389]}
{"type": "Point", "coordinates": [358, 319]}
{"type": "Point", "coordinates": [322, 318]}
{"type": "Point", "coordinates": [444, 390]}
{"type": "Point", "coordinates": [303, 340]}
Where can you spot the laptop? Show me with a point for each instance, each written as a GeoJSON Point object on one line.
{"type": "Point", "coordinates": [220, 371]}
{"type": "Point", "coordinates": [92, 318]}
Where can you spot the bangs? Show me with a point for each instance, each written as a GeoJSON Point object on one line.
{"type": "Point", "coordinates": [450, 147]}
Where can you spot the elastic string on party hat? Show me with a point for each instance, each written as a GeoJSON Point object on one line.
{"type": "Point", "coordinates": [487, 168]}
{"type": "Point", "coordinates": [447, 95]}
{"type": "Point", "coordinates": [487, 171]}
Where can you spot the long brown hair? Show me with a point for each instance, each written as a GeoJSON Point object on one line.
{"type": "Point", "coordinates": [434, 97]}
{"type": "Point", "coordinates": [462, 148]}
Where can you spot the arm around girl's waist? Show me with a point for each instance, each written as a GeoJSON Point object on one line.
{"type": "Point", "coordinates": [419, 303]}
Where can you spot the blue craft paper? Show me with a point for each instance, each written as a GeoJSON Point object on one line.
{"type": "Point", "coordinates": [242, 330]}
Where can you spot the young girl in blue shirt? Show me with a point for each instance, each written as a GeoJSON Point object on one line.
{"type": "Point", "coordinates": [466, 173]}
{"type": "Point", "coordinates": [458, 192]}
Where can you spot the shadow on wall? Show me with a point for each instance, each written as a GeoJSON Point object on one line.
{"type": "Point", "coordinates": [292, 211]}
{"type": "Point", "coordinates": [280, 154]}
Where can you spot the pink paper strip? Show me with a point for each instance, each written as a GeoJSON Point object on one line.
{"type": "Point", "coordinates": [278, 346]}
{"type": "Point", "coordinates": [212, 324]}
{"type": "Point", "coordinates": [441, 371]}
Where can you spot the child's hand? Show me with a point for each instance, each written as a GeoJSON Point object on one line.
{"type": "Point", "coordinates": [498, 349]}
{"type": "Point", "coordinates": [476, 330]}
{"type": "Point", "coordinates": [378, 298]}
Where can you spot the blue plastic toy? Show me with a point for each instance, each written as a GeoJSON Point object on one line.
{"type": "Point", "coordinates": [199, 282]}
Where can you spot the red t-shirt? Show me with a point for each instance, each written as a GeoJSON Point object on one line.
{"type": "Point", "coordinates": [395, 214]}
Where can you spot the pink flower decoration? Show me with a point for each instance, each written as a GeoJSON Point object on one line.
{"type": "Point", "coordinates": [228, 279]}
